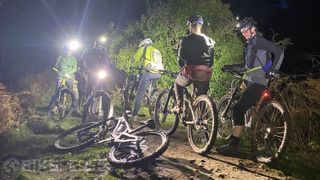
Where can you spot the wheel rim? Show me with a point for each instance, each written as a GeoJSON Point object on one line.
{"type": "Point", "coordinates": [165, 118]}
{"type": "Point", "coordinates": [202, 130]}
{"type": "Point", "coordinates": [270, 133]}
{"type": "Point", "coordinates": [225, 123]}
{"type": "Point", "coordinates": [78, 137]}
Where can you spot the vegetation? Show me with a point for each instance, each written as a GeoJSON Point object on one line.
{"type": "Point", "coordinates": [23, 122]}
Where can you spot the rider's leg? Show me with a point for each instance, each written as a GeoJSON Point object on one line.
{"type": "Point", "coordinates": [249, 97]}
{"type": "Point", "coordinates": [74, 88]}
{"type": "Point", "coordinates": [142, 88]}
{"type": "Point", "coordinates": [202, 87]}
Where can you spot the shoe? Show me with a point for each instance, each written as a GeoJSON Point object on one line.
{"type": "Point", "coordinates": [175, 110]}
{"type": "Point", "coordinates": [228, 150]}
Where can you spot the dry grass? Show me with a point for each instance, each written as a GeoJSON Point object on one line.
{"type": "Point", "coordinates": [303, 101]}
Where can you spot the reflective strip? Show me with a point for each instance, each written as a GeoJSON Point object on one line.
{"type": "Point", "coordinates": [251, 70]}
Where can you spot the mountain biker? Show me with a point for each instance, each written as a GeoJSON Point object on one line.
{"type": "Point", "coordinates": [257, 65]}
{"type": "Point", "coordinates": [150, 59]}
{"type": "Point", "coordinates": [67, 66]}
{"type": "Point", "coordinates": [195, 58]}
{"type": "Point", "coordinates": [92, 60]}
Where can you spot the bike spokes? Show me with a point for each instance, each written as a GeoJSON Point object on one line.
{"type": "Point", "coordinates": [202, 132]}
{"type": "Point", "coordinates": [271, 133]}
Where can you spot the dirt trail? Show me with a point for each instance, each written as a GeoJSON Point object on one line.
{"type": "Point", "coordinates": [180, 162]}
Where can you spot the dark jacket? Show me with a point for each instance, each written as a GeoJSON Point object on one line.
{"type": "Point", "coordinates": [196, 49]}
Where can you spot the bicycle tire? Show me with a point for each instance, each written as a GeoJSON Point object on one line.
{"type": "Point", "coordinates": [54, 103]}
{"type": "Point", "coordinates": [203, 132]}
{"type": "Point", "coordinates": [100, 130]}
{"type": "Point", "coordinates": [164, 118]}
{"type": "Point", "coordinates": [269, 131]}
{"type": "Point", "coordinates": [89, 115]}
{"type": "Point", "coordinates": [152, 102]}
{"type": "Point", "coordinates": [225, 124]}
{"type": "Point", "coordinates": [124, 155]}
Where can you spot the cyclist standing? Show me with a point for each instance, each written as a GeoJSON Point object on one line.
{"type": "Point", "coordinates": [195, 58]}
{"type": "Point", "coordinates": [67, 66]}
{"type": "Point", "coordinates": [151, 60]}
{"type": "Point", "coordinates": [91, 60]}
{"type": "Point", "coordinates": [257, 65]}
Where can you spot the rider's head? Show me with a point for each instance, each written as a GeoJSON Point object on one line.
{"type": "Point", "coordinates": [195, 23]}
{"type": "Point", "coordinates": [100, 43]}
{"type": "Point", "coordinates": [248, 27]}
{"type": "Point", "coordinates": [145, 42]}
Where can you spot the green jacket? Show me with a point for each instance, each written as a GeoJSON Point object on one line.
{"type": "Point", "coordinates": [67, 64]}
{"type": "Point", "coordinates": [150, 58]}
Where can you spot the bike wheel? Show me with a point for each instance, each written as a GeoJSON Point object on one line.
{"type": "Point", "coordinates": [271, 132]}
{"type": "Point", "coordinates": [79, 137]}
{"type": "Point", "coordinates": [150, 146]}
{"type": "Point", "coordinates": [61, 105]}
{"type": "Point", "coordinates": [202, 132]}
{"type": "Point", "coordinates": [164, 118]}
{"type": "Point", "coordinates": [151, 102]}
{"type": "Point", "coordinates": [225, 123]}
{"type": "Point", "coordinates": [97, 108]}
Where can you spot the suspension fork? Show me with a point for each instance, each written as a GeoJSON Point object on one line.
{"type": "Point", "coordinates": [223, 114]}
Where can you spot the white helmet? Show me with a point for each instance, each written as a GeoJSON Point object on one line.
{"type": "Point", "coordinates": [145, 42]}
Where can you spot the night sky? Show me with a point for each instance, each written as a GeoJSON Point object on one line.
{"type": "Point", "coordinates": [33, 29]}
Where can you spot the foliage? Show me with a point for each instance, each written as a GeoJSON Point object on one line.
{"type": "Point", "coordinates": [166, 25]}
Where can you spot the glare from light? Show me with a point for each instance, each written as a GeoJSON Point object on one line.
{"type": "Point", "coordinates": [102, 74]}
{"type": "Point", "coordinates": [73, 45]}
{"type": "Point", "coordinates": [103, 39]}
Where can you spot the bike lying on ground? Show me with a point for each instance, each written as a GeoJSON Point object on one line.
{"type": "Point", "coordinates": [98, 105]}
{"type": "Point", "coordinates": [129, 146]}
{"type": "Point", "coordinates": [199, 114]}
{"type": "Point", "coordinates": [132, 86]}
{"type": "Point", "coordinates": [62, 102]}
{"type": "Point", "coordinates": [269, 121]}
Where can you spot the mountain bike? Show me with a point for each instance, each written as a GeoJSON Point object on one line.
{"type": "Point", "coordinates": [198, 114]}
{"type": "Point", "coordinates": [62, 102]}
{"type": "Point", "coordinates": [128, 146]}
{"type": "Point", "coordinates": [98, 105]}
{"type": "Point", "coordinates": [133, 81]}
{"type": "Point", "coordinates": [268, 121]}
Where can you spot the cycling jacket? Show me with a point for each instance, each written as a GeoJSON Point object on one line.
{"type": "Point", "coordinates": [196, 50]}
{"type": "Point", "coordinates": [150, 58]}
{"type": "Point", "coordinates": [93, 58]}
{"type": "Point", "coordinates": [66, 64]}
{"type": "Point", "coordinates": [256, 54]}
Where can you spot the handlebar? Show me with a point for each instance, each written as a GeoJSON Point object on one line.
{"type": "Point", "coordinates": [64, 75]}
{"type": "Point", "coordinates": [172, 74]}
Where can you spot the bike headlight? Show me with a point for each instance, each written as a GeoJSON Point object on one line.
{"type": "Point", "coordinates": [102, 74]}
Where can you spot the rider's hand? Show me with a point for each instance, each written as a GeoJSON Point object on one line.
{"type": "Point", "coordinates": [67, 75]}
{"type": "Point", "coordinates": [226, 68]}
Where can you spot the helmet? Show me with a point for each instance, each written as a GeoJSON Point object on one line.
{"type": "Point", "coordinates": [145, 42]}
{"type": "Point", "coordinates": [247, 22]}
{"type": "Point", "coordinates": [196, 19]}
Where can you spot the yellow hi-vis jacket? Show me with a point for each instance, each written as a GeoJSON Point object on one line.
{"type": "Point", "coordinates": [150, 58]}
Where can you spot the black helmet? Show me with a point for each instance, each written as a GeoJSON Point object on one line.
{"type": "Point", "coordinates": [247, 22]}
{"type": "Point", "coordinates": [196, 19]}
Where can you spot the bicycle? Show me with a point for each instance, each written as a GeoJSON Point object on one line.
{"type": "Point", "coordinates": [132, 87]}
{"type": "Point", "coordinates": [98, 105]}
{"type": "Point", "coordinates": [268, 120]}
{"type": "Point", "coordinates": [62, 102]}
{"type": "Point", "coordinates": [128, 146]}
{"type": "Point", "coordinates": [199, 114]}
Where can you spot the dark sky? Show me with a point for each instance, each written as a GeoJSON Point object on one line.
{"type": "Point", "coordinates": [33, 29]}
